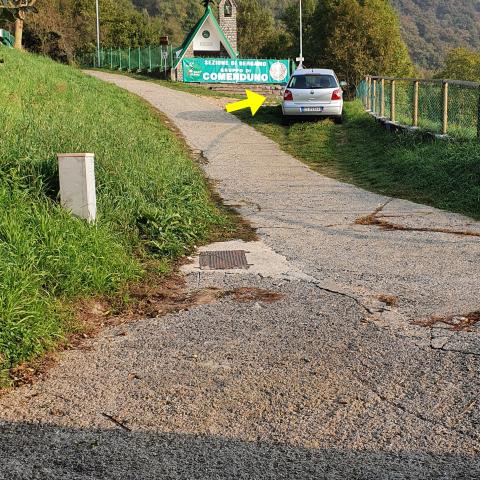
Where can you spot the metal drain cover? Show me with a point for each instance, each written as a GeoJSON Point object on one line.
{"type": "Point", "coordinates": [227, 260]}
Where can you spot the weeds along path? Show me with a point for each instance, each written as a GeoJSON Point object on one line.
{"type": "Point", "coordinates": [314, 363]}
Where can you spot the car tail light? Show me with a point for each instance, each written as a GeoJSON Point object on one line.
{"type": "Point", "coordinates": [288, 95]}
{"type": "Point", "coordinates": [337, 94]}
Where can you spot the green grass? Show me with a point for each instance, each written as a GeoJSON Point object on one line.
{"type": "Point", "coordinates": [152, 199]}
{"type": "Point", "coordinates": [444, 174]}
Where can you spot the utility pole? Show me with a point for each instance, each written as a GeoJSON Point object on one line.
{"type": "Point", "coordinates": [300, 59]}
{"type": "Point", "coordinates": [98, 31]}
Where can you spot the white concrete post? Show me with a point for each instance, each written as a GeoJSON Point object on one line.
{"type": "Point", "coordinates": [77, 184]}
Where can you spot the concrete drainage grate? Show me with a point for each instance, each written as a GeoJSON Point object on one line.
{"type": "Point", "coordinates": [227, 260]}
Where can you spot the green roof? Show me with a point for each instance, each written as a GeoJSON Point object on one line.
{"type": "Point", "coordinates": [189, 38]}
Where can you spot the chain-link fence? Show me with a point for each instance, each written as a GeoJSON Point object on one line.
{"type": "Point", "coordinates": [6, 38]}
{"type": "Point", "coordinates": [151, 58]}
{"type": "Point", "coordinates": [440, 106]}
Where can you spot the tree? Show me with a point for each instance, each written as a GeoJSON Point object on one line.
{"type": "Point", "coordinates": [256, 28]}
{"type": "Point", "coordinates": [356, 38]}
{"type": "Point", "coordinates": [461, 64]}
{"type": "Point", "coordinates": [291, 22]}
{"type": "Point", "coordinates": [121, 24]}
{"type": "Point", "coordinates": [16, 10]}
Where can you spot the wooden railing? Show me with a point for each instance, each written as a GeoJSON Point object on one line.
{"type": "Point", "coordinates": [440, 105]}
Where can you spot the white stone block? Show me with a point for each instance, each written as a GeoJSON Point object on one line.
{"type": "Point", "coordinates": [77, 184]}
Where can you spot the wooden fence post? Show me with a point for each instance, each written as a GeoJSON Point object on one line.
{"type": "Point", "coordinates": [364, 95]}
{"type": "Point", "coordinates": [392, 101]}
{"type": "Point", "coordinates": [478, 116]}
{"type": "Point", "coordinates": [382, 98]}
{"type": "Point", "coordinates": [445, 108]}
{"type": "Point", "coordinates": [368, 93]}
{"type": "Point", "coordinates": [415, 104]}
{"type": "Point", "coordinates": [374, 96]}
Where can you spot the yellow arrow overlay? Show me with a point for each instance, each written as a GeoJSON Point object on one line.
{"type": "Point", "coordinates": [254, 101]}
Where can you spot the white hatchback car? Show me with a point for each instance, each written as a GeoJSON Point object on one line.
{"type": "Point", "coordinates": [313, 92]}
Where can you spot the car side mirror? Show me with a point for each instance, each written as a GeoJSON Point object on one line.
{"type": "Point", "coordinates": [343, 84]}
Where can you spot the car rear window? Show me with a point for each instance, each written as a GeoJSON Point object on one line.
{"type": "Point", "coordinates": [313, 81]}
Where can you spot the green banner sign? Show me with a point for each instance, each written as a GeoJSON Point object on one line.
{"type": "Point", "coordinates": [235, 70]}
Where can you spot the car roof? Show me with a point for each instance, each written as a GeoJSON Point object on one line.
{"type": "Point", "coordinates": [313, 71]}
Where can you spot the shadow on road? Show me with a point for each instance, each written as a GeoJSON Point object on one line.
{"type": "Point", "coordinates": [32, 451]}
{"type": "Point", "coordinates": [212, 116]}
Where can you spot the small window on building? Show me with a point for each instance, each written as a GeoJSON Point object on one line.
{"type": "Point", "coordinates": [228, 8]}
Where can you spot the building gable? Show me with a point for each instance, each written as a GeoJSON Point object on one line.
{"type": "Point", "coordinates": [207, 39]}
{"type": "Point", "coordinates": [195, 38]}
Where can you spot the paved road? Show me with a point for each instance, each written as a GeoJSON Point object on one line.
{"type": "Point", "coordinates": [327, 381]}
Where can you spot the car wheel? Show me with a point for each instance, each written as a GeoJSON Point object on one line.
{"type": "Point", "coordinates": [338, 120]}
{"type": "Point", "coordinates": [286, 121]}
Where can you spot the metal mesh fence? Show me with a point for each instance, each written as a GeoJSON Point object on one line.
{"type": "Point", "coordinates": [438, 106]}
{"type": "Point", "coordinates": [430, 106]}
{"type": "Point", "coordinates": [404, 102]}
{"type": "Point", "coordinates": [463, 110]}
{"type": "Point", "coordinates": [133, 59]}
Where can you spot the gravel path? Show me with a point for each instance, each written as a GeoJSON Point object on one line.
{"type": "Point", "coordinates": [328, 381]}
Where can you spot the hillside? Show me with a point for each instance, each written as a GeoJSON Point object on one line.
{"type": "Point", "coordinates": [432, 27]}
{"type": "Point", "coordinates": [64, 28]}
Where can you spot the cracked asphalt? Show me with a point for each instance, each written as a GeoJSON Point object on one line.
{"type": "Point", "coordinates": [328, 382]}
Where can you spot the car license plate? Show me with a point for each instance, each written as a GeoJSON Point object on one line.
{"type": "Point", "coordinates": [312, 109]}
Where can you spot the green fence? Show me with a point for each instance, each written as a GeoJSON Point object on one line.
{"type": "Point", "coordinates": [151, 58]}
{"type": "Point", "coordinates": [6, 38]}
{"type": "Point", "coordinates": [440, 106]}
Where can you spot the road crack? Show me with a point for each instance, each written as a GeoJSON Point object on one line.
{"type": "Point", "coordinates": [420, 416]}
{"type": "Point", "coordinates": [346, 295]}
{"type": "Point", "coordinates": [116, 422]}
{"type": "Point", "coordinates": [376, 219]}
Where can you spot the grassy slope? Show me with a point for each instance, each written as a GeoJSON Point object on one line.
{"type": "Point", "coordinates": [152, 199]}
{"type": "Point", "coordinates": [443, 174]}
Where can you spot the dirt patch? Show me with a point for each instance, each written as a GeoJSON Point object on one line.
{"type": "Point", "coordinates": [372, 218]}
{"type": "Point", "coordinates": [378, 220]}
{"type": "Point", "coordinates": [151, 302]}
{"type": "Point", "coordinates": [200, 157]}
{"type": "Point", "coordinates": [61, 87]}
{"type": "Point", "coordinates": [389, 300]}
{"type": "Point", "coordinates": [455, 322]}
{"type": "Point", "coordinates": [157, 299]}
